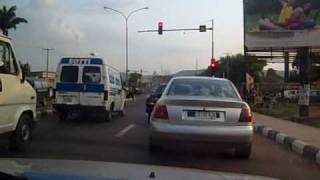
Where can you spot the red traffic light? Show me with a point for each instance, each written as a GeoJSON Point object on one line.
{"type": "Point", "coordinates": [214, 63]}
{"type": "Point", "coordinates": [160, 28]}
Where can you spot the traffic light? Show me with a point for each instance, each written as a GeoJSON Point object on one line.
{"type": "Point", "coordinates": [160, 28]}
{"type": "Point", "coordinates": [202, 28]}
{"type": "Point", "coordinates": [214, 63]}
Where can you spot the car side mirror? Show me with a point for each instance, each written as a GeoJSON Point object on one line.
{"type": "Point", "coordinates": [23, 79]}
{"type": "Point", "coordinates": [1, 63]}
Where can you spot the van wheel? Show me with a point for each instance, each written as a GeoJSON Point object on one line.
{"type": "Point", "coordinates": [21, 137]}
{"type": "Point", "coordinates": [63, 116]}
{"type": "Point", "coordinates": [122, 112]}
{"type": "Point", "coordinates": [109, 116]}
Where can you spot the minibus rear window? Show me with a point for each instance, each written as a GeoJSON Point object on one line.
{"type": "Point", "coordinates": [91, 74]}
{"type": "Point", "coordinates": [69, 74]}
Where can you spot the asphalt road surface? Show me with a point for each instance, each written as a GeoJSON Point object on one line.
{"type": "Point", "coordinates": [125, 139]}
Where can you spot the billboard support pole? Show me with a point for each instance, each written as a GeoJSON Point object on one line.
{"type": "Point", "coordinates": [303, 58]}
{"type": "Point", "coordinates": [286, 66]}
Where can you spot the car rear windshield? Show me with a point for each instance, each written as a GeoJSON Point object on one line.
{"type": "Point", "coordinates": [91, 74]}
{"type": "Point", "coordinates": [202, 87]}
{"type": "Point", "coordinates": [69, 74]}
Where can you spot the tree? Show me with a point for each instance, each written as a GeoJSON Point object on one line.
{"type": "Point", "coordinates": [9, 20]}
{"type": "Point", "coordinates": [238, 67]}
{"type": "Point", "coordinates": [272, 76]}
{"type": "Point", "coordinates": [134, 77]}
{"type": "Point", "coordinates": [314, 70]}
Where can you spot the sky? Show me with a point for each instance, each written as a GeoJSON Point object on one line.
{"type": "Point", "coordinates": [77, 28]}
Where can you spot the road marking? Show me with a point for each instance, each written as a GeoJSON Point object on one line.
{"type": "Point", "coordinates": [125, 130]}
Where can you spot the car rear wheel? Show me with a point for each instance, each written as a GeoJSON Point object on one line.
{"type": "Point", "coordinates": [122, 112]}
{"type": "Point", "coordinates": [243, 152]}
{"type": "Point", "coordinates": [21, 137]}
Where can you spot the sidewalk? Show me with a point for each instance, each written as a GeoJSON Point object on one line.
{"type": "Point", "coordinates": [302, 132]}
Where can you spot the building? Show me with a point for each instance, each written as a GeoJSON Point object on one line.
{"type": "Point", "coordinates": [43, 75]}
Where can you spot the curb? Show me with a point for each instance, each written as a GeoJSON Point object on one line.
{"type": "Point", "coordinates": [308, 151]}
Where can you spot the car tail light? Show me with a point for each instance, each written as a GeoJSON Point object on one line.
{"type": "Point", "coordinates": [246, 114]}
{"type": "Point", "coordinates": [161, 112]}
{"type": "Point", "coordinates": [105, 95]}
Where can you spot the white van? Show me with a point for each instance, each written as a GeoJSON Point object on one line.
{"type": "Point", "coordinates": [17, 99]}
{"type": "Point", "coordinates": [88, 86]}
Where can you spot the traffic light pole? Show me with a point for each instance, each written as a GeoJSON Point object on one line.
{"type": "Point", "coordinates": [202, 28]}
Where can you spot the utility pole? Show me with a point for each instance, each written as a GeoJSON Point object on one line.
{"type": "Point", "coordinates": [126, 18]}
{"type": "Point", "coordinates": [48, 51]}
{"type": "Point", "coordinates": [212, 39]}
{"type": "Point", "coordinates": [196, 67]}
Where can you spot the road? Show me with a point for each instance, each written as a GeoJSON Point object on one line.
{"type": "Point", "coordinates": [125, 139]}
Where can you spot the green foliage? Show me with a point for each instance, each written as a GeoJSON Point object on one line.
{"type": "Point", "coordinates": [272, 76]}
{"type": "Point", "coordinates": [9, 20]}
{"type": "Point", "coordinates": [134, 77]}
{"type": "Point", "coordinates": [315, 68]}
{"type": "Point", "coordinates": [238, 67]}
{"type": "Point", "coordinates": [280, 110]}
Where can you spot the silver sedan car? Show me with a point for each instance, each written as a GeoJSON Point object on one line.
{"type": "Point", "coordinates": [202, 110]}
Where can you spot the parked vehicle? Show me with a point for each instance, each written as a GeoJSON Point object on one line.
{"type": "Point", "coordinates": [153, 98]}
{"type": "Point", "coordinates": [88, 86]}
{"type": "Point", "coordinates": [202, 110]}
{"type": "Point", "coordinates": [43, 90]}
{"type": "Point", "coordinates": [315, 96]}
{"type": "Point", "coordinates": [17, 99]}
{"type": "Point", "coordinates": [291, 95]}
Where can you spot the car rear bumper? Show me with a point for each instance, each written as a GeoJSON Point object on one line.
{"type": "Point", "coordinates": [224, 135]}
{"type": "Point", "coordinates": [79, 108]}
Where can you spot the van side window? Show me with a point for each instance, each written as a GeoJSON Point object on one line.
{"type": "Point", "coordinates": [91, 74]}
{"type": "Point", "coordinates": [6, 55]}
{"type": "Point", "coordinates": [69, 74]}
{"type": "Point", "coordinates": [111, 79]}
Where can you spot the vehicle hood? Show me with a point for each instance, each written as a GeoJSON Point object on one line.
{"type": "Point", "coordinates": [82, 170]}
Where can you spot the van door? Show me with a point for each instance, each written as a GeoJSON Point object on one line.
{"type": "Point", "coordinates": [93, 88]}
{"type": "Point", "coordinates": [68, 87]}
{"type": "Point", "coordinates": [112, 88]}
{"type": "Point", "coordinates": [119, 93]}
{"type": "Point", "coordinates": [11, 92]}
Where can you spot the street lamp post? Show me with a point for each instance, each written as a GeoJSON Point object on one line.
{"type": "Point", "coordinates": [126, 18]}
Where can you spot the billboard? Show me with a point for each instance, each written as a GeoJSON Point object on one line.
{"type": "Point", "coordinates": [281, 23]}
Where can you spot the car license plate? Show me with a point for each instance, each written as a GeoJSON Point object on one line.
{"type": "Point", "coordinates": [67, 99]}
{"type": "Point", "coordinates": [204, 115]}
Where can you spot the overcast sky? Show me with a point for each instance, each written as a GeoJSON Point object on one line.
{"type": "Point", "coordinates": [77, 28]}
